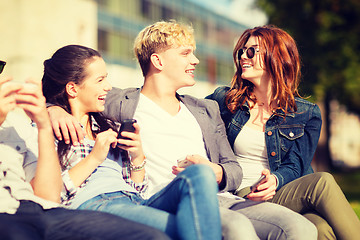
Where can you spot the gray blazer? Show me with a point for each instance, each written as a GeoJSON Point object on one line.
{"type": "Point", "coordinates": [121, 104]}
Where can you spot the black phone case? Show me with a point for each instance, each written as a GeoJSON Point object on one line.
{"type": "Point", "coordinates": [127, 126]}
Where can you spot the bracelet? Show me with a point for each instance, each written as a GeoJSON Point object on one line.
{"type": "Point", "coordinates": [137, 168]}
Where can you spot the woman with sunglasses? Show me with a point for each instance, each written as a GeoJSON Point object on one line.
{"type": "Point", "coordinates": [97, 178]}
{"type": "Point", "coordinates": [274, 133]}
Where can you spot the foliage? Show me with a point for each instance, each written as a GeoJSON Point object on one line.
{"type": "Point", "coordinates": [349, 182]}
{"type": "Point", "coordinates": [328, 37]}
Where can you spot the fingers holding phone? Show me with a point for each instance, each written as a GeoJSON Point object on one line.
{"type": "Point", "coordinates": [32, 101]}
{"type": "Point", "coordinates": [127, 126]}
{"type": "Point", "coordinates": [265, 189]}
{"type": "Point", "coordinates": [244, 192]}
{"type": "Point", "coordinates": [7, 97]}
{"type": "Point", "coordinates": [128, 138]}
{"type": "Point", "coordinates": [183, 163]}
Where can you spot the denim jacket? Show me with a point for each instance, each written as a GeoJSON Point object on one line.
{"type": "Point", "coordinates": [290, 143]}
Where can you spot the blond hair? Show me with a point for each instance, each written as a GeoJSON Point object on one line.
{"type": "Point", "coordinates": [159, 37]}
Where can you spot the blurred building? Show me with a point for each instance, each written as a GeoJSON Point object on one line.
{"type": "Point", "coordinates": [33, 30]}
{"type": "Point", "coordinates": [119, 21]}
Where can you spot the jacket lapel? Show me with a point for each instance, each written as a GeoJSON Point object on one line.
{"type": "Point", "coordinates": [129, 103]}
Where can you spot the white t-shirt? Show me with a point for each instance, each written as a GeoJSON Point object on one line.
{"type": "Point", "coordinates": [165, 139]}
{"type": "Point", "coordinates": [251, 153]}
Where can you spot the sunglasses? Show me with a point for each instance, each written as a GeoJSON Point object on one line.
{"type": "Point", "coordinates": [2, 65]}
{"type": "Point", "coordinates": [250, 52]}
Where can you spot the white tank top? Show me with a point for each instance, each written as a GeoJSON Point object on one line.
{"type": "Point", "coordinates": [250, 151]}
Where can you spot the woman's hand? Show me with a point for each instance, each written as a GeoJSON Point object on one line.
{"type": "Point", "coordinates": [133, 145]}
{"type": "Point", "coordinates": [266, 189]}
{"type": "Point", "coordinates": [82, 170]}
{"type": "Point", "coordinates": [102, 145]}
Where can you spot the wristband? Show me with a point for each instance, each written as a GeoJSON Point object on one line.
{"type": "Point", "coordinates": [137, 168]}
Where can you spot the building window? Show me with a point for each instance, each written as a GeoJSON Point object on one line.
{"type": "Point", "coordinates": [166, 13]}
{"type": "Point", "coordinates": [145, 6]}
{"type": "Point", "coordinates": [102, 41]}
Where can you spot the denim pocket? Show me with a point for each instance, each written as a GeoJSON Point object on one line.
{"type": "Point", "coordinates": [288, 136]}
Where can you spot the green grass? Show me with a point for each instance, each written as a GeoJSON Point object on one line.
{"type": "Point", "coordinates": [350, 184]}
{"type": "Point", "coordinates": [356, 207]}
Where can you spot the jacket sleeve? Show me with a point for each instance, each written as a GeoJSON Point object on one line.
{"type": "Point", "coordinates": [232, 176]}
{"type": "Point", "coordinates": [232, 170]}
{"type": "Point", "coordinates": [297, 160]}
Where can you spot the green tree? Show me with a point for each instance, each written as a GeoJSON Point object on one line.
{"type": "Point", "coordinates": [328, 36]}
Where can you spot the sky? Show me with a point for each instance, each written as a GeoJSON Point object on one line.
{"type": "Point", "coordinates": [242, 11]}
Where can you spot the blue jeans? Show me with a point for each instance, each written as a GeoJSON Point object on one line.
{"type": "Point", "coordinates": [187, 208]}
{"type": "Point", "coordinates": [32, 222]}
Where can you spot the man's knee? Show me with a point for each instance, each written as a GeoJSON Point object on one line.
{"type": "Point", "coordinates": [236, 226]}
{"type": "Point", "coordinates": [201, 173]}
{"type": "Point", "coordinates": [272, 221]}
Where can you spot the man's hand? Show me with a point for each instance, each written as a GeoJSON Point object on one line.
{"type": "Point", "coordinates": [7, 97]}
{"type": "Point", "coordinates": [266, 189]}
{"type": "Point", "coordinates": [197, 159]}
{"type": "Point", "coordinates": [65, 126]}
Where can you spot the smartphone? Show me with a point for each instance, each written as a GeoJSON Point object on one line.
{"type": "Point", "coordinates": [183, 163]}
{"type": "Point", "coordinates": [247, 190]}
{"type": "Point", "coordinates": [127, 126]}
{"type": "Point", "coordinates": [253, 187]}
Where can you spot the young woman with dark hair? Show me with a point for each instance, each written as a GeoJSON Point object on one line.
{"type": "Point", "coordinates": [274, 132]}
{"type": "Point", "coordinates": [75, 78]}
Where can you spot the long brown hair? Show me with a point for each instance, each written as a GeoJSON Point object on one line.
{"type": "Point", "coordinates": [282, 63]}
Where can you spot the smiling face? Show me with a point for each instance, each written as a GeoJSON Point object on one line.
{"type": "Point", "coordinates": [178, 65]}
{"type": "Point", "coordinates": [91, 93]}
{"type": "Point", "coordinates": [253, 69]}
